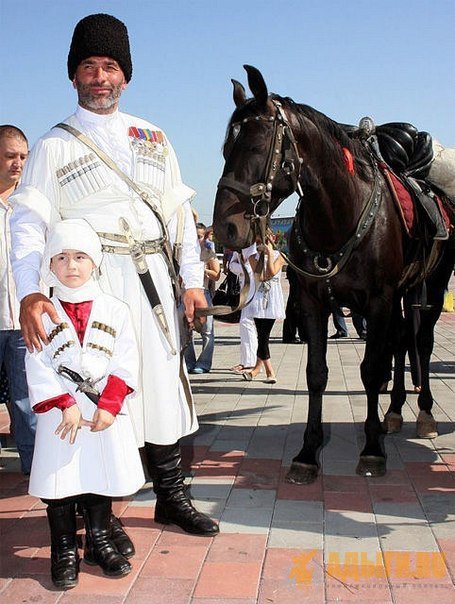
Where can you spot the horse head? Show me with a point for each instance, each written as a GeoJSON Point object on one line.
{"type": "Point", "coordinates": [262, 164]}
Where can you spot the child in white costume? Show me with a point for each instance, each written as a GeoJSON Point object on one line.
{"type": "Point", "coordinates": [85, 451]}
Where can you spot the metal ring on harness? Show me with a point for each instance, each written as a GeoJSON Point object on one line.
{"type": "Point", "coordinates": [257, 205]}
{"type": "Point", "coordinates": [322, 269]}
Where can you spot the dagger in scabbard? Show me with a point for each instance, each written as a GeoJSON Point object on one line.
{"type": "Point", "coordinates": [83, 385]}
{"type": "Point", "coordinates": [140, 264]}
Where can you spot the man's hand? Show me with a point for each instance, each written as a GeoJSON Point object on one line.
{"type": "Point", "coordinates": [102, 419]}
{"type": "Point", "coordinates": [32, 307]}
{"type": "Point", "coordinates": [194, 298]}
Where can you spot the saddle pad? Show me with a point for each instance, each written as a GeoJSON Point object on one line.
{"type": "Point", "coordinates": [404, 202]}
{"type": "Point", "coordinates": [402, 198]}
{"type": "Point", "coordinates": [445, 213]}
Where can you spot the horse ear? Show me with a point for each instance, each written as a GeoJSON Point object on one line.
{"type": "Point", "coordinates": [257, 84]}
{"type": "Point", "coordinates": [239, 94]}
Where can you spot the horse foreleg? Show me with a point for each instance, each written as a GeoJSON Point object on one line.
{"type": "Point", "coordinates": [372, 460]}
{"type": "Point", "coordinates": [304, 468]}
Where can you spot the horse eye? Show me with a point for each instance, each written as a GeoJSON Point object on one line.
{"type": "Point", "coordinates": [235, 131]}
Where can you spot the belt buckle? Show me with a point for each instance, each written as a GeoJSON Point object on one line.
{"type": "Point", "coordinates": [138, 257]}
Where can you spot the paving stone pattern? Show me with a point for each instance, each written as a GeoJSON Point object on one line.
{"type": "Point", "coordinates": [344, 538]}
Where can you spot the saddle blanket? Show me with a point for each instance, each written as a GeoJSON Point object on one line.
{"type": "Point", "coordinates": [405, 203]}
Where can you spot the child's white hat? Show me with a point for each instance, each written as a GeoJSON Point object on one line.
{"type": "Point", "coordinates": [70, 234]}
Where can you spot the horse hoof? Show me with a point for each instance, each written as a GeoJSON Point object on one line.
{"type": "Point", "coordinates": [371, 465]}
{"type": "Point", "coordinates": [302, 473]}
{"type": "Point", "coordinates": [392, 422]}
{"type": "Point", "coordinates": [426, 425]}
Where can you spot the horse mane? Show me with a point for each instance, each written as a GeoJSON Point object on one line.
{"type": "Point", "coordinates": [333, 134]}
{"type": "Point", "coordinates": [335, 137]}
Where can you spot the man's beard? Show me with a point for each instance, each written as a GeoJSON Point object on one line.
{"type": "Point", "coordinates": [102, 104]}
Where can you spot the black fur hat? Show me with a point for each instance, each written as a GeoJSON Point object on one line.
{"type": "Point", "coordinates": [100, 35]}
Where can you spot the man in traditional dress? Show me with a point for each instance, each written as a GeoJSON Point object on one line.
{"type": "Point", "coordinates": [138, 206]}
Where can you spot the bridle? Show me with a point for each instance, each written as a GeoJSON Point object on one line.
{"type": "Point", "coordinates": [260, 194]}
{"type": "Point", "coordinates": [289, 159]}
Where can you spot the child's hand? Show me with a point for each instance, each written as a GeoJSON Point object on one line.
{"type": "Point", "coordinates": [70, 423]}
{"type": "Point", "coordinates": [102, 419]}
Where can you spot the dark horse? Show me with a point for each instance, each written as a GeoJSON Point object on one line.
{"type": "Point", "coordinates": [347, 242]}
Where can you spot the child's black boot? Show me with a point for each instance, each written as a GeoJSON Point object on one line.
{"type": "Point", "coordinates": [99, 547]}
{"type": "Point", "coordinates": [64, 554]}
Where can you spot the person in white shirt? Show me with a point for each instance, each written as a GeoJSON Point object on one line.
{"type": "Point", "coordinates": [247, 328]}
{"type": "Point", "coordinates": [137, 222]}
{"type": "Point", "coordinates": [266, 306]}
{"type": "Point", "coordinates": [13, 154]}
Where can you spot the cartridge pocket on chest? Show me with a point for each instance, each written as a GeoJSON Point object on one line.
{"type": "Point", "coordinates": [150, 164]}
{"type": "Point", "coordinates": [82, 177]}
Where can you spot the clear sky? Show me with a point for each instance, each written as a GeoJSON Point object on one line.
{"type": "Point", "coordinates": [390, 59]}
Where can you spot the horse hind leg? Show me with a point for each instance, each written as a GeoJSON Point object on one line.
{"type": "Point", "coordinates": [396, 350]}
{"type": "Point", "coordinates": [393, 418]}
{"type": "Point", "coordinates": [426, 425]}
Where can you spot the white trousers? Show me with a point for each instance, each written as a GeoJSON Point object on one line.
{"type": "Point", "coordinates": [248, 341]}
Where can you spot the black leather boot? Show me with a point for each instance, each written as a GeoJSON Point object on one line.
{"type": "Point", "coordinates": [64, 554]}
{"type": "Point", "coordinates": [118, 535]}
{"type": "Point", "coordinates": [99, 548]}
{"type": "Point", "coordinates": [121, 540]}
{"type": "Point", "coordinates": [173, 506]}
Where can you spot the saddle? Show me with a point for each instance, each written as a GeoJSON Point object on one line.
{"type": "Point", "coordinates": [404, 156]}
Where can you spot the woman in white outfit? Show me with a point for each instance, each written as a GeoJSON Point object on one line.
{"type": "Point", "coordinates": [266, 306]}
{"type": "Point", "coordinates": [247, 328]}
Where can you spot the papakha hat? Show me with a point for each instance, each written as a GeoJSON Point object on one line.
{"type": "Point", "coordinates": [100, 35]}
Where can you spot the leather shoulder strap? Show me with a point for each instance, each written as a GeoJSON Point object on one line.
{"type": "Point", "coordinates": [113, 166]}
{"type": "Point", "coordinates": [134, 186]}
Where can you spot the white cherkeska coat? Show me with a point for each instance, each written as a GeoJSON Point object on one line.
{"type": "Point", "coordinates": [105, 462]}
{"type": "Point", "coordinates": [62, 179]}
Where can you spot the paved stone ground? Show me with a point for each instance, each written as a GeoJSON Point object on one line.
{"type": "Point", "coordinates": [345, 538]}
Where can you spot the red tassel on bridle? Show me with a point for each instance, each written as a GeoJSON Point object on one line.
{"type": "Point", "coordinates": [348, 160]}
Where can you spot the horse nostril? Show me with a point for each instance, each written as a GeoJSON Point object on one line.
{"type": "Point", "coordinates": [231, 232]}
